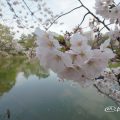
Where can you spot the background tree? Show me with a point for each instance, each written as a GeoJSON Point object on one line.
{"type": "Point", "coordinates": [27, 41]}
{"type": "Point", "coordinates": [6, 37]}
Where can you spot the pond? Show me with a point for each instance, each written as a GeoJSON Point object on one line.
{"type": "Point", "coordinates": [27, 92]}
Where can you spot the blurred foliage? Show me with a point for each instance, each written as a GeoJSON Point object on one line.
{"type": "Point", "coordinates": [118, 53]}
{"type": "Point", "coordinates": [28, 41]}
{"type": "Point", "coordinates": [114, 65]}
{"type": "Point", "coordinates": [5, 33]}
{"type": "Point", "coordinates": [61, 39]}
{"type": "Point", "coordinates": [63, 42]}
{"type": "Point", "coordinates": [8, 45]}
{"type": "Point", "coordinates": [6, 37]}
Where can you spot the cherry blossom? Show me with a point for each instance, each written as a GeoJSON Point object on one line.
{"type": "Point", "coordinates": [106, 52]}
{"type": "Point", "coordinates": [73, 73]}
{"type": "Point", "coordinates": [108, 10]}
{"type": "Point", "coordinates": [79, 42]}
{"type": "Point", "coordinates": [80, 57]}
{"type": "Point", "coordinates": [46, 41]}
{"type": "Point", "coordinates": [115, 34]}
{"type": "Point", "coordinates": [79, 63]}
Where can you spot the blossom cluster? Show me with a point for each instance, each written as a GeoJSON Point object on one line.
{"type": "Point", "coordinates": [79, 63]}
{"type": "Point", "coordinates": [108, 10]}
{"type": "Point", "coordinates": [115, 34]}
{"type": "Point", "coordinates": [109, 85]}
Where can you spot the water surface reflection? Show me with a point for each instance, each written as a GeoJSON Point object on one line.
{"type": "Point", "coordinates": [31, 94]}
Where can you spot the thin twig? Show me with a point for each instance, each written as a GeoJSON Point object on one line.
{"type": "Point", "coordinates": [63, 15]}
{"type": "Point", "coordinates": [11, 8]}
{"type": "Point", "coordinates": [94, 16]}
{"type": "Point", "coordinates": [83, 19]}
{"type": "Point", "coordinates": [32, 13]}
{"type": "Point", "coordinates": [28, 7]}
{"type": "Point", "coordinates": [104, 27]}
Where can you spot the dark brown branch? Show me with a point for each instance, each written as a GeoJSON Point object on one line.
{"type": "Point", "coordinates": [28, 7]}
{"type": "Point", "coordinates": [32, 13]}
{"type": "Point", "coordinates": [63, 15]}
{"type": "Point", "coordinates": [11, 8]}
{"type": "Point", "coordinates": [104, 27]}
{"type": "Point", "coordinates": [102, 22]}
{"type": "Point", "coordinates": [83, 19]}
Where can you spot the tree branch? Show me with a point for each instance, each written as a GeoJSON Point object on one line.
{"type": "Point", "coordinates": [104, 27]}
{"type": "Point", "coordinates": [11, 8]}
{"type": "Point", "coordinates": [63, 15]}
{"type": "Point", "coordinates": [94, 16]}
{"type": "Point", "coordinates": [83, 19]}
{"type": "Point", "coordinates": [32, 13]}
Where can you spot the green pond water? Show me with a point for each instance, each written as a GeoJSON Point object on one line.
{"type": "Point", "coordinates": [27, 92]}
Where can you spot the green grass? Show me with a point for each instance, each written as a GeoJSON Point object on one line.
{"type": "Point", "coordinates": [114, 65]}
